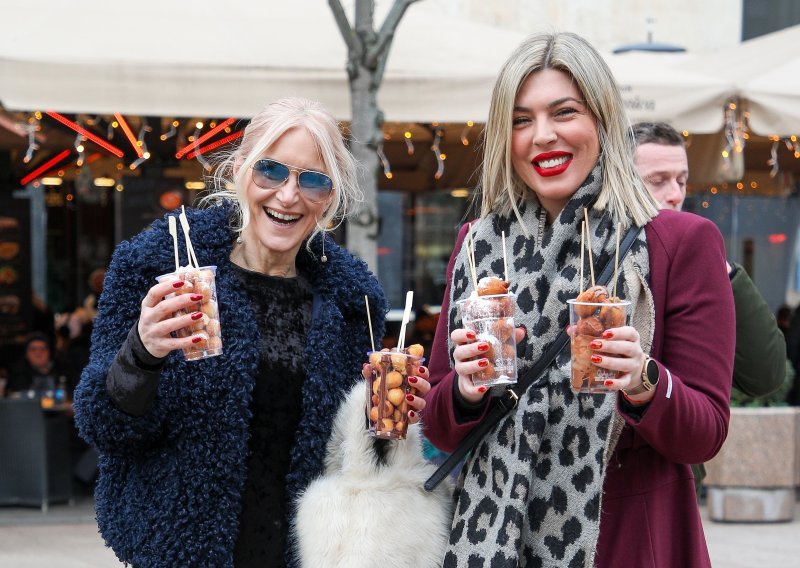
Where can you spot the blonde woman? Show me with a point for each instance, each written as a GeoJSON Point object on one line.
{"type": "Point", "coordinates": [201, 461]}
{"type": "Point", "coordinates": [566, 479]}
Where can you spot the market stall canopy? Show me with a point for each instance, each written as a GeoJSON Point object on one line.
{"type": "Point", "coordinates": [765, 72]}
{"type": "Point", "coordinates": [171, 58]}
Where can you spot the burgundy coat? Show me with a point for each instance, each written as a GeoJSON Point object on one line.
{"type": "Point", "coordinates": [650, 516]}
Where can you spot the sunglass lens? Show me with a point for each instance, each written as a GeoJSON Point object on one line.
{"type": "Point", "coordinates": [269, 173]}
{"type": "Point", "coordinates": [316, 185]}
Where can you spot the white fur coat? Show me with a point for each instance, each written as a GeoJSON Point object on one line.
{"type": "Point", "coordinates": [361, 513]}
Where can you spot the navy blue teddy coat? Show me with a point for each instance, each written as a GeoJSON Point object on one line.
{"type": "Point", "coordinates": [170, 482]}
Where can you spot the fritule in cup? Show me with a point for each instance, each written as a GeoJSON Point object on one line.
{"type": "Point", "coordinates": [492, 319]}
{"type": "Point", "coordinates": [387, 407]}
{"type": "Point", "coordinates": [588, 321]}
{"type": "Point", "coordinates": [199, 281]}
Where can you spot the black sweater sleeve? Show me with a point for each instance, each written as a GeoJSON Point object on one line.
{"type": "Point", "coordinates": [132, 380]}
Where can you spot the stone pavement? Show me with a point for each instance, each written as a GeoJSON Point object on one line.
{"type": "Point", "coordinates": [66, 537]}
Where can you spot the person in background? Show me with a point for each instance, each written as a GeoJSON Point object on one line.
{"type": "Point", "coordinates": [38, 370]}
{"type": "Point", "coordinates": [759, 367]}
{"type": "Point", "coordinates": [202, 461]}
{"type": "Point", "coordinates": [760, 364]}
{"type": "Point", "coordinates": [569, 479]}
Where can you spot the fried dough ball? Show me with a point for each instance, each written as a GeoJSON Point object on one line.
{"type": "Point", "coordinates": [582, 367]}
{"type": "Point", "coordinates": [492, 285]}
{"type": "Point", "coordinates": [394, 379]}
{"type": "Point", "coordinates": [595, 295]}
{"type": "Point", "coordinates": [395, 396]}
{"type": "Point", "coordinates": [611, 315]}
{"type": "Point", "coordinates": [590, 326]}
{"type": "Point", "coordinates": [416, 350]}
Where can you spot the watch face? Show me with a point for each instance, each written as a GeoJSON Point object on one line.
{"type": "Point", "coordinates": [652, 371]}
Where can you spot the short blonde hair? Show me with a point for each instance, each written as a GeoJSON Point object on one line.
{"type": "Point", "coordinates": [623, 193]}
{"type": "Point", "coordinates": [263, 131]}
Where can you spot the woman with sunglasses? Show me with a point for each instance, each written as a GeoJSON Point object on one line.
{"type": "Point", "coordinates": [566, 479]}
{"type": "Point", "coordinates": [201, 461]}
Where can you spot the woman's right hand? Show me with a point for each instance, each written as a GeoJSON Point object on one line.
{"type": "Point", "coordinates": [469, 359]}
{"type": "Point", "coordinates": [157, 320]}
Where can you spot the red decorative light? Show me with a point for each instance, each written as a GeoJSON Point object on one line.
{"type": "Point", "coordinates": [81, 130]}
{"type": "Point", "coordinates": [44, 167]}
{"type": "Point", "coordinates": [222, 126]}
{"type": "Point", "coordinates": [129, 134]}
{"type": "Point", "coordinates": [215, 145]}
{"type": "Point", "coordinates": [777, 238]}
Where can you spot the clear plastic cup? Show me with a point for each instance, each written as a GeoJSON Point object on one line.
{"type": "Point", "coordinates": [387, 407]}
{"type": "Point", "coordinates": [492, 319]}
{"type": "Point", "coordinates": [199, 281]}
{"type": "Point", "coordinates": [588, 321]}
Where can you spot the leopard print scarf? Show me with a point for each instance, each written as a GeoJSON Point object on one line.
{"type": "Point", "coordinates": [530, 493]}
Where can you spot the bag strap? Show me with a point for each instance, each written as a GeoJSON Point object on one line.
{"type": "Point", "coordinates": [533, 377]}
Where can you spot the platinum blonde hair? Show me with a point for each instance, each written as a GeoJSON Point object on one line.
{"type": "Point", "coordinates": [623, 193]}
{"type": "Point", "coordinates": [265, 128]}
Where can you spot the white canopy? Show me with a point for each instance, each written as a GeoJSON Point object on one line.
{"type": "Point", "coordinates": [204, 58]}
{"type": "Point", "coordinates": [765, 72]}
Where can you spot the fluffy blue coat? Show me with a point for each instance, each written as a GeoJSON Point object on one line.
{"type": "Point", "coordinates": [170, 481]}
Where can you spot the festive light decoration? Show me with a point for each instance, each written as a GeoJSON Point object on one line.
{"type": "Point", "coordinates": [199, 140]}
{"type": "Point", "coordinates": [173, 130]}
{"type": "Point", "coordinates": [45, 167]}
{"type": "Point", "coordinates": [465, 133]}
{"type": "Point", "coordinates": [216, 144]}
{"type": "Point", "coordinates": [128, 133]}
{"type": "Point", "coordinates": [409, 143]}
{"type": "Point", "coordinates": [387, 170]}
{"type": "Point", "coordinates": [80, 129]}
{"type": "Point", "coordinates": [773, 160]}
{"type": "Point", "coordinates": [437, 138]}
{"type": "Point", "coordinates": [735, 129]}
{"type": "Point", "coordinates": [31, 128]}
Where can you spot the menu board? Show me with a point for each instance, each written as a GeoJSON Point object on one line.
{"type": "Point", "coordinates": [15, 269]}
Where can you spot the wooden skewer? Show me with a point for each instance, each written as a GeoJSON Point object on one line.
{"type": "Point", "coordinates": [505, 257]}
{"type": "Point", "coordinates": [589, 243]}
{"type": "Point", "coordinates": [583, 225]}
{"type": "Point", "coordinates": [616, 261]}
{"type": "Point", "coordinates": [471, 257]}
{"type": "Point", "coordinates": [369, 321]}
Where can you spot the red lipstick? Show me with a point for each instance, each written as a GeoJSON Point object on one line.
{"type": "Point", "coordinates": [554, 170]}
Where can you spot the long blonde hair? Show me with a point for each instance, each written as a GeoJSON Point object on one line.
{"type": "Point", "coordinates": [623, 193]}
{"type": "Point", "coordinates": [265, 128]}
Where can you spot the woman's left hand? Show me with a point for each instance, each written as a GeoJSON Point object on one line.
{"type": "Point", "coordinates": [619, 349]}
{"type": "Point", "coordinates": [419, 381]}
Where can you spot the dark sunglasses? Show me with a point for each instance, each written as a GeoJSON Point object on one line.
{"type": "Point", "coordinates": [269, 174]}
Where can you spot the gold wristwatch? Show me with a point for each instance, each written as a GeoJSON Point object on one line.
{"type": "Point", "coordinates": [649, 378]}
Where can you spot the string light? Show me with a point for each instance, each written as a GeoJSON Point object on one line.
{"type": "Point", "coordinates": [32, 127]}
{"type": "Point", "coordinates": [128, 133]}
{"type": "Point", "coordinates": [79, 147]}
{"type": "Point", "coordinates": [387, 170]}
{"type": "Point", "coordinates": [465, 133]}
{"type": "Point", "coordinates": [773, 161]}
{"type": "Point", "coordinates": [409, 143]}
{"type": "Point", "coordinates": [78, 128]}
{"type": "Point", "coordinates": [173, 130]}
{"type": "Point", "coordinates": [437, 138]}
{"type": "Point", "coordinates": [197, 139]}
{"type": "Point", "coordinates": [735, 129]}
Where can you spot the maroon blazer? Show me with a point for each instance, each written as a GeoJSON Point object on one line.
{"type": "Point", "coordinates": [649, 514]}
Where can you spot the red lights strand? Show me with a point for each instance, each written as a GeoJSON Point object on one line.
{"type": "Point", "coordinates": [129, 134]}
{"type": "Point", "coordinates": [44, 167]}
{"type": "Point", "coordinates": [81, 130]}
{"type": "Point", "coordinates": [183, 151]}
{"type": "Point", "coordinates": [215, 145]}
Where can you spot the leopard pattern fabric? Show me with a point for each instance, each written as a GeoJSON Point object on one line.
{"type": "Point", "coordinates": [530, 493]}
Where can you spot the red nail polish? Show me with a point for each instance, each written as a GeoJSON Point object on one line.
{"type": "Point", "coordinates": [483, 347]}
{"type": "Point", "coordinates": [196, 297]}
{"type": "Point", "coordinates": [481, 389]}
{"type": "Point", "coordinates": [596, 344]}
{"type": "Point", "coordinates": [410, 397]}
{"type": "Point", "coordinates": [471, 335]}
{"type": "Point", "coordinates": [412, 380]}
{"type": "Point", "coordinates": [423, 370]}
{"type": "Point", "coordinates": [609, 383]}
{"type": "Point", "coordinates": [607, 334]}
{"type": "Point", "coordinates": [483, 363]}
{"type": "Point", "coordinates": [197, 315]}
{"type": "Point", "coordinates": [197, 339]}
{"type": "Point", "coordinates": [178, 284]}
{"type": "Point", "coordinates": [597, 359]}
{"type": "Point", "coordinates": [568, 326]}
{"type": "Point", "coordinates": [411, 414]}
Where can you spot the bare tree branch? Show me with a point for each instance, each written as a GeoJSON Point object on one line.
{"type": "Point", "coordinates": [386, 34]}
{"type": "Point", "coordinates": [344, 25]}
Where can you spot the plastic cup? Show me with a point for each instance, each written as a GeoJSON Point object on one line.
{"type": "Point", "coordinates": [588, 321]}
{"type": "Point", "coordinates": [387, 407]}
{"type": "Point", "coordinates": [492, 320]}
{"type": "Point", "coordinates": [199, 281]}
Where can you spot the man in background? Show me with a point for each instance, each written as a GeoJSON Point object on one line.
{"type": "Point", "coordinates": [759, 366]}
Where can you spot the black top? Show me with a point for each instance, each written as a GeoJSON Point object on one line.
{"type": "Point", "coordinates": [282, 310]}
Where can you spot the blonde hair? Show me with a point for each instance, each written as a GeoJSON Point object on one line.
{"type": "Point", "coordinates": [265, 128]}
{"type": "Point", "coordinates": [623, 193]}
